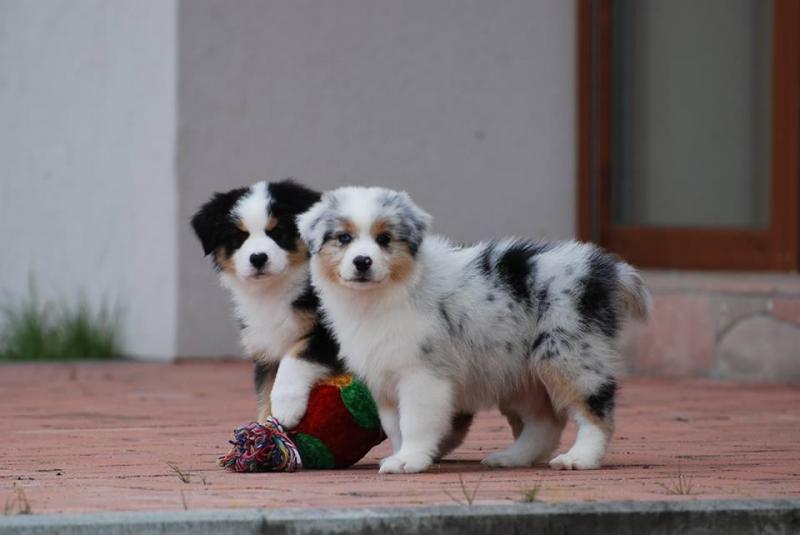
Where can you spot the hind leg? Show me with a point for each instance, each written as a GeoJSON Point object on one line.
{"type": "Point", "coordinates": [460, 424]}
{"type": "Point", "coordinates": [514, 421]}
{"type": "Point", "coordinates": [536, 428]}
{"type": "Point", "coordinates": [591, 405]}
{"type": "Point", "coordinates": [590, 445]}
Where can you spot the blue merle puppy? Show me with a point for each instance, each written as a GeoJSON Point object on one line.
{"type": "Point", "coordinates": [439, 331]}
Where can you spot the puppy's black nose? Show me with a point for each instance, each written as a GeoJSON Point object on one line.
{"type": "Point", "coordinates": [258, 260]}
{"type": "Point", "coordinates": [362, 263]}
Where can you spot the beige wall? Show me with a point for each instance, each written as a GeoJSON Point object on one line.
{"type": "Point", "coordinates": [87, 146]}
{"type": "Point", "coordinates": [120, 118]}
{"type": "Point", "coordinates": [467, 104]}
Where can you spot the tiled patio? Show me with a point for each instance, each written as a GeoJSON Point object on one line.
{"type": "Point", "coordinates": [99, 437]}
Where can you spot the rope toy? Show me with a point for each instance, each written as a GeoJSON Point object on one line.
{"type": "Point", "coordinates": [340, 426]}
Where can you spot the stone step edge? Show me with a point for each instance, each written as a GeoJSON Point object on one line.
{"type": "Point", "coordinates": [679, 517]}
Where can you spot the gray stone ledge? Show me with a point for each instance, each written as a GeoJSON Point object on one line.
{"type": "Point", "coordinates": [774, 517]}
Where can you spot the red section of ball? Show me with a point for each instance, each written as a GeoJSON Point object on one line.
{"type": "Point", "coordinates": [328, 419]}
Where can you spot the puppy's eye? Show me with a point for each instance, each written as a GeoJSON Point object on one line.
{"type": "Point", "coordinates": [276, 233]}
{"type": "Point", "coordinates": [239, 237]}
{"type": "Point", "coordinates": [345, 238]}
{"type": "Point", "coordinates": [383, 239]}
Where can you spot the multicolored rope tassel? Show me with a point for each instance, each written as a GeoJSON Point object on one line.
{"type": "Point", "coordinates": [262, 448]}
{"type": "Point", "coordinates": [340, 426]}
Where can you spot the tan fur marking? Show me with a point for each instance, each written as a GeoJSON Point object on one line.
{"type": "Point", "coordinates": [330, 255]}
{"type": "Point", "coordinates": [514, 421]}
{"type": "Point", "coordinates": [263, 396]}
{"type": "Point", "coordinates": [348, 226]}
{"type": "Point", "coordinates": [561, 390]}
{"type": "Point", "coordinates": [379, 226]}
{"type": "Point", "coordinates": [225, 261]}
{"type": "Point", "coordinates": [306, 319]}
{"type": "Point", "coordinates": [564, 395]}
{"type": "Point", "coordinates": [299, 256]}
{"type": "Point", "coordinates": [401, 263]}
{"type": "Point", "coordinates": [298, 347]}
{"type": "Point", "coordinates": [541, 407]}
{"type": "Point", "coordinates": [272, 223]}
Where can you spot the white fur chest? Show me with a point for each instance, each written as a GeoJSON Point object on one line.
{"type": "Point", "coordinates": [271, 327]}
{"type": "Point", "coordinates": [379, 343]}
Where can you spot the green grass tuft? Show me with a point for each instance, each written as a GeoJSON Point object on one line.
{"type": "Point", "coordinates": [531, 494]}
{"type": "Point", "coordinates": [31, 331]}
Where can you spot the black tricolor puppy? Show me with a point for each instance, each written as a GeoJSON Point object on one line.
{"type": "Point", "coordinates": [251, 235]}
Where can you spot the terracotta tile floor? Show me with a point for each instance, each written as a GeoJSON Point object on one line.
{"type": "Point", "coordinates": [98, 437]}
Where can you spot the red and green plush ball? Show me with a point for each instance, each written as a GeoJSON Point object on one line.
{"type": "Point", "coordinates": [340, 426]}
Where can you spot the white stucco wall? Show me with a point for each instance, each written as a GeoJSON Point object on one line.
{"type": "Point", "coordinates": [87, 145]}
{"type": "Point", "coordinates": [468, 104]}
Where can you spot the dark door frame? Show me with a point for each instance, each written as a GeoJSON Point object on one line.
{"type": "Point", "coordinates": [774, 248]}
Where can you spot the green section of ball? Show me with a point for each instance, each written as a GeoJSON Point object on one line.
{"type": "Point", "coordinates": [360, 405]}
{"type": "Point", "coordinates": [313, 452]}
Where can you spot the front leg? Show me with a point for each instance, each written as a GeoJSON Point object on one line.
{"type": "Point", "coordinates": [264, 378]}
{"type": "Point", "coordinates": [390, 421]}
{"type": "Point", "coordinates": [293, 383]}
{"type": "Point", "coordinates": [425, 407]}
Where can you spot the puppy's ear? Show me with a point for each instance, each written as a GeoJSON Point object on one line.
{"type": "Point", "coordinates": [419, 218]}
{"type": "Point", "coordinates": [415, 220]}
{"type": "Point", "coordinates": [312, 224]}
{"type": "Point", "coordinates": [290, 197]}
{"type": "Point", "coordinates": [210, 221]}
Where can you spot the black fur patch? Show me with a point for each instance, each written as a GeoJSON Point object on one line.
{"type": "Point", "coordinates": [213, 223]}
{"type": "Point", "coordinates": [543, 336]}
{"type": "Point", "coordinates": [322, 348]}
{"type": "Point", "coordinates": [291, 198]}
{"type": "Point", "coordinates": [565, 343]}
{"type": "Point", "coordinates": [596, 303]}
{"type": "Point", "coordinates": [485, 260]}
{"type": "Point", "coordinates": [602, 402]}
{"type": "Point", "coordinates": [551, 348]}
{"type": "Point", "coordinates": [461, 420]}
{"type": "Point", "coordinates": [308, 300]}
{"type": "Point", "coordinates": [262, 372]}
{"type": "Point", "coordinates": [543, 299]}
{"type": "Point", "coordinates": [513, 268]}
{"type": "Point", "coordinates": [288, 200]}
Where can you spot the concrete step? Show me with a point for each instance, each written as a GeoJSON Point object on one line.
{"type": "Point", "coordinates": [776, 517]}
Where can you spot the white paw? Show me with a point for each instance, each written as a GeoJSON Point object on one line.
{"type": "Point", "coordinates": [408, 463]}
{"type": "Point", "coordinates": [572, 461]}
{"type": "Point", "coordinates": [506, 458]}
{"type": "Point", "coordinates": [288, 410]}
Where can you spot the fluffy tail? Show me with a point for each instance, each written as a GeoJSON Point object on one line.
{"type": "Point", "coordinates": [634, 296]}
